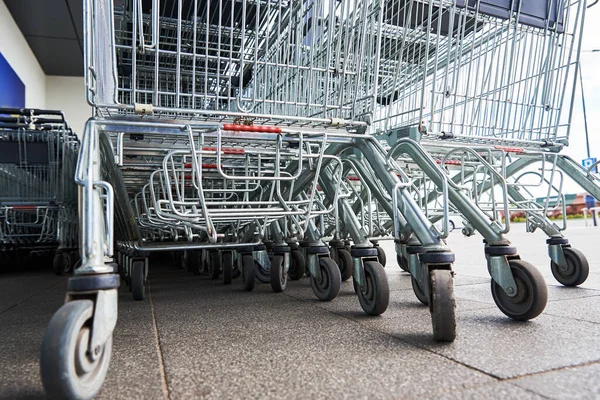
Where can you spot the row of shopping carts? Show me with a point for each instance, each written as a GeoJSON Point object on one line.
{"type": "Point", "coordinates": [38, 197]}
{"type": "Point", "coordinates": [267, 139]}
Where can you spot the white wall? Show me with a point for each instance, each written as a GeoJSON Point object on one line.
{"type": "Point", "coordinates": [15, 49]}
{"type": "Point", "coordinates": [67, 93]}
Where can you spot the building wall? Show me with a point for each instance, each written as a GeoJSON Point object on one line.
{"type": "Point", "coordinates": [15, 49]}
{"type": "Point", "coordinates": [67, 93]}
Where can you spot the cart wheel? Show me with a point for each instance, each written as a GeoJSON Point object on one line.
{"type": "Point", "coordinates": [345, 264]}
{"type": "Point", "coordinates": [531, 297]}
{"type": "Point", "coordinates": [138, 280]}
{"type": "Point", "coordinates": [61, 263]}
{"type": "Point", "coordinates": [328, 287]}
{"type": "Point", "coordinates": [297, 265]}
{"type": "Point", "coordinates": [576, 271]}
{"type": "Point", "coordinates": [192, 261]}
{"type": "Point", "coordinates": [248, 272]}
{"type": "Point", "coordinates": [214, 266]}
{"type": "Point", "coordinates": [227, 267]}
{"type": "Point", "coordinates": [278, 275]}
{"type": "Point", "coordinates": [67, 370]}
{"type": "Point", "coordinates": [374, 297]}
{"type": "Point", "coordinates": [236, 268]}
{"type": "Point", "coordinates": [443, 306]}
{"type": "Point", "coordinates": [418, 291]}
{"type": "Point", "coordinates": [122, 267]}
{"type": "Point", "coordinates": [184, 259]}
{"type": "Point", "coordinates": [197, 264]}
{"type": "Point", "coordinates": [381, 256]}
{"type": "Point", "coordinates": [402, 263]}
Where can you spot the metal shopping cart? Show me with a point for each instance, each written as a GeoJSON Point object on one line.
{"type": "Point", "coordinates": [38, 198]}
{"type": "Point", "coordinates": [490, 93]}
{"type": "Point", "coordinates": [221, 134]}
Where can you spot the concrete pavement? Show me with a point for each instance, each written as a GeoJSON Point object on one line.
{"type": "Point", "coordinates": [197, 338]}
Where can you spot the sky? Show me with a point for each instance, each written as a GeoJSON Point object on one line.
{"type": "Point", "coordinates": [590, 66]}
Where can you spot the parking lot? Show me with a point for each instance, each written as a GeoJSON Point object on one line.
{"type": "Point", "coordinates": [194, 337]}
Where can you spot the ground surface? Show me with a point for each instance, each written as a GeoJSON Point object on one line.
{"type": "Point", "coordinates": [197, 338]}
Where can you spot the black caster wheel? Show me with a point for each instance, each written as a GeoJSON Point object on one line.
{"type": "Point", "coordinates": [297, 265]}
{"type": "Point", "coordinates": [236, 271]}
{"type": "Point", "coordinates": [197, 264]}
{"type": "Point", "coordinates": [576, 271]}
{"type": "Point", "coordinates": [214, 264]}
{"type": "Point", "coordinates": [184, 260]}
{"type": "Point", "coordinates": [62, 263]}
{"type": "Point", "coordinates": [67, 370]}
{"type": "Point", "coordinates": [328, 286]}
{"type": "Point", "coordinates": [138, 280]}
{"type": "Point", "coordinates": [402, 263]}
{"type": "Point", "coordinates": [381, 256]}
{"type": "Point", "coordinates": [531, 297]}
{"type": "Point", "coordinates": [345, 264]}
{"type": "Point", "coordinates": [227, 267]}
{"type": "Point", "coordinates": [374, 296]}
{"type": "Point", "coordinates": [279, 278]}
{"type": "Point", "coordinates": [262, 274]}
{"type": "Point", "coordinates": [419, 291]}
{"type": "Point", "coordinates": [192, 261]}
{"type": "Point", "coordinates": [443, 306]}
{"type": "Point", "coordinates": [248, 273]}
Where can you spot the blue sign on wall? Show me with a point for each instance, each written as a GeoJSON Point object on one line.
{"type": "Point", "coordinates": [12, 89]}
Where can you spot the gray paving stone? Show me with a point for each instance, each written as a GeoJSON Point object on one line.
{"type": "Point", "coordinates": [570, 383]}
{"type": "Point", "coordinates": [294, 351]}
{"type": "Point", "coordinates": [499, 390]}
{"type": "Point", "coordinates": [483, 293]}
{"type": "Point", "coordinates": [491, 342]}
{"type": "Point", "coordinates": [134, 371]}
{"type": "Point", "coordinates": [586, 309]}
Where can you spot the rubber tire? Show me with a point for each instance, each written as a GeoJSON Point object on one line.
{"type": "Point", "coordinates": [279, 278]}
{"type": "Point", "coordinates": [227, 267]}
{"type": "Point", "coordinates": [59, 349]}
{"type": "Point", "coordinates": [329, 287]}
{"type": "Point", "coordinates": [419, 293]}
{"type": "Point", "coordinates": [61, 264]}
{"type": "Point", "coordinates": [451, 226]}
{"type": "Point", "coordinates": [532, 288]}
{"type": "Point", "coordinates": [402, 263]}
{"type": "Point", "coordinates": [214, 264]}
{"type": "Point", "coordinates": [262, 275]}
{"type": "Point", "coordinates": [197, 264]}
{"type": "Point", "coordinates": [346, 264]}
{"type": "Point", "coordinates": [248, 273]}
{"type": "Point", "coordinates": [192, 261]}
{"type": "Point", "coordinates": [297, 265]}
{"type": "Point", "coordinates": [184, 260]}
{"type": "Point", "coordinates": [381, 256]}
{"type": "Point", "coordinates": [138, 280]}
{"type": "Point", "coordinates": [578, 268]}
{"type": "Point", "coordinates": [376, 298]}
{"type": "Point", "coordinates": [443, 305]}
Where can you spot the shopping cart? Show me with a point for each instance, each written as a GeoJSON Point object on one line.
{"type": "Point", "coordinates": [490, 92]}
{"type": "Point", "coordinates": [220, 135]}
{"type": "Point", "coordinates": [38, 199]}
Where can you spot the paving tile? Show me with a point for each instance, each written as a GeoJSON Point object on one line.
{"type": "Point", "coordinates": [294, 351]}
{"type": "Point", "coordinates": [586, 309]}
{"type": "Point", "coordinates": [134, 371]}
{"type": "Point", "coordinates": [498, 390]}
{"type": "Point", "coordinates": [489, 341]}
{"type": "Point", "coordinates": [569, 383]}
{"type": "Point", "coordinates": [483, 293]}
